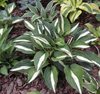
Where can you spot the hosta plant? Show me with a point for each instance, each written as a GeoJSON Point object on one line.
{"type": "Point", "coordinates": [6, 50]}
{"type": "Point", "coordinates": [58, 47]}
{"type": "Point", "coordinates": [23, 3]}
{"type": "Point", "coordinates": [95, 32]}
{"type": "Point", "coordinates": [73, 8]}
{"type": "Point", "coordinates": [38, 13]}
{"type": "Point", "coordinates": [3, 3]}
{"type": "Point", "coordinates": [6, 16]}
{"type": "Point", "coordinates": [98, 17]}
{"type": "Point", "coordinates": [98, 3]}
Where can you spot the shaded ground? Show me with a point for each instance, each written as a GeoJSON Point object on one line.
{"type": "Point", "coordinates": [16, 83]}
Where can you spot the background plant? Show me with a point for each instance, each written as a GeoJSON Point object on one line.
{"type": "Point", "coordinates": [6, 16]}
{"type": "Point", "coordinates": [39, 14]}
{"type": "Point", "coordinates": [3, 3]}
{"type": "Point", "coordinates": [73, 8]}
{"type": "Point", "coordinates": [95, 31]}
{"type": "Point", "coordinates": [23, 3]}
{"type": "Point", "coordinates": [52, 53]}
{"type": "Point", "coordinates": [98, 3]}
{"type": "Point", "coordinates": [98, 17]}
{"type": "Point", "coordinates": [6, 50]}
{"type": "Point", "coordinates": [7, 55]}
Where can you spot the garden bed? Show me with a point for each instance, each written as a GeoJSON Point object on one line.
{"type": "Point", "coordinates": [16, 83]}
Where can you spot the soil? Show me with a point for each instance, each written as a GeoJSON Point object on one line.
{"type": "Point", "coordinates": [16, 83]}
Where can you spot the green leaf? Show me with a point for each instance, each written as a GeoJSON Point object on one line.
{"type": "Point", "coordinates": [89, 57]}
{"type": "Point", "coordinates": [4, 70]}
{"type": "Point", "coordinates": [74, 28]}
{"type": "Point", "coordinates": [23, 38]}
{"type": "Point", "coordinates": [95, 8]}
{"type": "Point", "coordinates": [90, 28]}
{"type": "Point", "coordinates": [78, 71]}
{"type": "Point", "coordinates": [49, 6]}
{"type": "Point", "coordinates": [73, 3]}
{"type": "Point", "coordinates": [25, 48]}
{"type": "Point", "coordinates": [66, 50]}
{"type": "Point", "coordinates": [74, 77]}
{"type": "Point", "coordinates": [60, 42]}
{"type": "Point", "coordinates": [42, 41]}
{"type": "Point", "coordinates": [16, 20]}
{"type": "Point", "coordinates": [32, 74]}
{"type": "Point", "coordinates": [22, 65]}
{"type": "Point", "coordinates": [32, 9]}
{"type": "Point", "coordinates": [35, 74]}
{"type": "Point", "coordinates": [86, 7]}
{"type": "Point", "coordinates": [34, 92]}
{"type": "Point", "coordinates": [39, 5]}
{"type": "Point", "coordinates": [79, 44]}
{"type": "Point", "coordinates": [51, 77]}
{"type": "Point", "coordinates": [90, 83]}
{"type": "Point", "coordinates": [57, 56]}
{"type": "Point", "coordinates": [74, 15]}
{"type": "Point", "coordinates": [83, 34]}
{"type": "Point", "coordinates": [39, 59]}
{"type": "Point", "coordinates": [28, 14]}
{"type": "Point", "coordinates": [4, 34]}
{"type": "Point", "coordinates": [58, 1]}
{"type": "Point", "coordinates": [29, 25]}
{"type": "Point", "coordinates": [98, 17]}
{"type": "Point", "coordinates": [10, 7]}
{"type": "Point", "coordinates": [43, 12]}
{"type": "Point", "coordinates": [78, 3]}
{"type": "Point", "coordinates": [3, 3]}
{"type": "Point", "coordinates": [35, 17]}
{"type": "Point", "coordinates": [65, 25]}
{"type": "Point", "coordinates": [98, 91]}
{"type": "Point", "coordinates": [94, 31]}
{"type": "Point", "coordinates": [65, 10]}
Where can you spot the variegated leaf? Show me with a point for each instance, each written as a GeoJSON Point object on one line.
{"type": "Point", "coordinates": [73, 77]}
{"type": "Point", "coordinates": [22, 65]}
{"type": "Point", "coordinates": [10, 7]}
{"type": "Point", "coordinates": [33, 74]}
{"type": "Point", "coordinates": [57, 56]}
{"type": "Point", "coordinates": [66, 50]}
{"type": "Point", "coordinates": [51, 77]}
{"type": "Point", "coordinates": [89, 57]}
{"type": "Point", "coordinates": [41, 41]}
{"type": "Point", "coordinates": [39, 59]}
{"type": "Point", "coordinates": [29, 25]}
{"type": "Point", "coordinates": [26, 48]}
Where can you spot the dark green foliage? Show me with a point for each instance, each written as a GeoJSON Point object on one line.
{"type": "Point", "coordinates": [39, 13]}
{"type": "Point", "coordinates": [95, 32]}
{"type": "Point", "coordinates": [6, 50]}
{"type": "Point", "coordinates": [6, 16]}
{"type": "Point", "coordinates": [51, 51]}
{"type": "Point", "coordinates": [23, 3]}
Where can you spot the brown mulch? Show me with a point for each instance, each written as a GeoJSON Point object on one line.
{"type": "Point", "coordinates": [16, 84]}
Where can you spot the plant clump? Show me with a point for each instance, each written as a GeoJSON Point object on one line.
{"type": "Point", "coordinates": [55, 43]}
